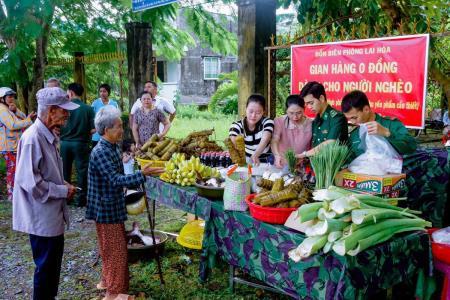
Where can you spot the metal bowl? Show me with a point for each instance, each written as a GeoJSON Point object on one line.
{"type": "Point", "coordinates": [143, 252]}
{"type": "Point", "coordinates": [209, 192]}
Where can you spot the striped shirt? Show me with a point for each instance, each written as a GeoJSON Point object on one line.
{"type": "Point", "coordinates": [253, 138]}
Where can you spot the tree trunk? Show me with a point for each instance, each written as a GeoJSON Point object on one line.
{"type": "Point", "coordinates": [256, 24]}
{"type": "Point", "coordinates": [79, 72]}
{"type": "Point", "coordinates": [23, 85]}
{"type": "Point", "coordinates": [139, 55]}
{"type": "Point", "coordinates": [40, 61]}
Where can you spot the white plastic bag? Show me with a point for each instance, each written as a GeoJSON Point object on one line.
{"type": "Point", "coordinates": [442, 236]}
{"type": "Point", "coordinates": [379, 157]}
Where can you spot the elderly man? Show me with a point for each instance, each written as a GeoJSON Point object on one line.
{"type": "Point", "coordinates": [106, 202]}
{"type": "Point", "coordinates": [40, 192]}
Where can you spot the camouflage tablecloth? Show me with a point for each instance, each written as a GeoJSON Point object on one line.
{"type": "Point", "coordinates": [427, 173]}
{"type": "Point", "coordinates": [261, 249]}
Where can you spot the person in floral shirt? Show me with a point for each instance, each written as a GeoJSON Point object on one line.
{"type": "Point", "coordinates": [13, 123]}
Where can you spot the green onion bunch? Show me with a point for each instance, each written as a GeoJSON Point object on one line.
{"type": "Point", "coordinates": [291, 160]}
{"type": "Point", "coordinates": [327, 162]}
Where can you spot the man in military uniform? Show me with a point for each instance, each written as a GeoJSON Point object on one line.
{"type": "Point", "coordinates": [356, 109]}
{"type": "Point", "coordinates": [329, 124]}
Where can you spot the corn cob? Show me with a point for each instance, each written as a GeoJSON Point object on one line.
{"type": "Point", "coordinates": [234, 154]}
{"type": "Point", "coordinates": [278, 197]}
{"type": "Point", "coordinates": [295, 203]}
{"type": "Point", "coordinates": [278, 185]}
{"type": "Point", "coordinates": [260, 196]}
{"type": "Point", "coordinates": [284, 204]}
{"type": "Point", "coordinates": [265, 183]}
{"type": "Point", "coordinates": [240, 146]}
{"type": "Point", "coordinates": [160, 146]}
{"type": "Point", "coordinates": [152, 139]}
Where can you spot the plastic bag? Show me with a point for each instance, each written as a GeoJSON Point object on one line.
{"type": "Point", "coordinates": [442, 236]}
{"type": "Point", "coordinates": [379, 157]}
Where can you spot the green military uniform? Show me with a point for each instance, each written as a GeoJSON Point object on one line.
{"type": "Point", "coordinates": [331, 126]}
{"type": "Point", "coordinates": [400, 139]}
{"type": "Point", "coordinates": [75, 141]}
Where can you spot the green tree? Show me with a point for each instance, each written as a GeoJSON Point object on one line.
{"type": "Point", "coordinates": [379, 18]}
{"type": "Point", "coordinates": [227, 91]}
{"type": "Point", "coordinates": [33, 30]}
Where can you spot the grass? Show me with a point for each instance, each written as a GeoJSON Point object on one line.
{"type": "Point", "coordinates": [189, 119]}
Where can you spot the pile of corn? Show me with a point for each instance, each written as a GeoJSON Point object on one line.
{"type": "Point", "coordinates": [237, 151]}
{"type": "Point", "coordinates": [197, 142]}
{"type": "Point", "coordinates": [156, 149]}
{"type": "Point", "coordinates": [282, 194]}
{"type": "Point", "coordinates": [349, 223]}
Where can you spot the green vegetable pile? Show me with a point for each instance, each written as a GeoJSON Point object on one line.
{"type": "Point", "coordinates": [349, 223]}
{"type": "Point", "coordinates": [327, 162]}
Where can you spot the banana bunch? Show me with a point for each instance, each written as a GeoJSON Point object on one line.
{"type": "Point", "coordinates": [185, 172]}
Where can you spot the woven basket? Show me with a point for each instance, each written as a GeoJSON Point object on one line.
{"type": "Point", "coordinates": [271, 215]}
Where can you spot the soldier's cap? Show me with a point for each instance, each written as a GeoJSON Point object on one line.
{"type": "Point", "coordinates": [55, 96]}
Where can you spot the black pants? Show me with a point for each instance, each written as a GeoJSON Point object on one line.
{"type": "Point", "coordinates": [77, 152]}
{"type": "Point", "coordinates": [47, 256]}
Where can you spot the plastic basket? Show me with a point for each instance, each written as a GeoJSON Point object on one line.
{"type": "Point", "coordinates": [191, 235]}
{"type": "Point", "coordinates": [271, 215]}
{"type": "Point", "coordinates": [154, 163]}
{"type": "Point", "coordinates": [440, 251]}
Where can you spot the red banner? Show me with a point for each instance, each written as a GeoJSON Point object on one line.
{"type": "Point", "coordinates": [391, 71]}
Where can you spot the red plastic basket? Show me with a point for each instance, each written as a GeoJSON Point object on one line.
{"type": "Point", "coordinates": [440, 251]}
{"type": "Point", "coordinates": [271, 215]}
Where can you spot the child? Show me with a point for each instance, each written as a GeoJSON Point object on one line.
{"type": "Point", "coordinates": [128, 149]}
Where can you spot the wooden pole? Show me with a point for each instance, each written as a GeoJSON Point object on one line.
{"type": "Point", "coordinates": [271, 83]}
{"type": "Point", "coordinates": [120, 76]}
{"type": "Point", "coordinates": [79, 74]}
{"type": "Point", "coordinates": [256, 24]}
{"type": "Point", "coordinates": [139, 56]}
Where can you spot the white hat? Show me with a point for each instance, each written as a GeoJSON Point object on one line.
{"type": "Point", "coordinates": [55, 96]}
{"type": "Point", "coordinates": [6, 91]}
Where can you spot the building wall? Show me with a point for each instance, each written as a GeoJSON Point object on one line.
{"type": "Point", "coordinates": [193, 87]}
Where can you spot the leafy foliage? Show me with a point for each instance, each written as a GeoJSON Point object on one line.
{"type": "Point", "coordinates": [212, 32]}
{"type": "Point", "coordinates": [231, 106]}
{"type": "Point", "coordinates": [95, 26]}
{"type": "Point", "coordinates": [227, 90]}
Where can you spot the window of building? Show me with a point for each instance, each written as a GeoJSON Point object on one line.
{"type": "Point", "coordinates": [211, 68]}
{"type": "Point", "coordinates": [161, 70]}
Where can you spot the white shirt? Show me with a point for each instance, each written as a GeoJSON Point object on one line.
{"type": "Point", "coordinates": [160, 103]}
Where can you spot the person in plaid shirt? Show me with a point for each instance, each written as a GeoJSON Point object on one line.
{"type": "Point", "coordinates": [106, 201]}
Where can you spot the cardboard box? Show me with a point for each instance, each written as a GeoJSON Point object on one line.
{"type": "Point", "coordinates": [386, 184]}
